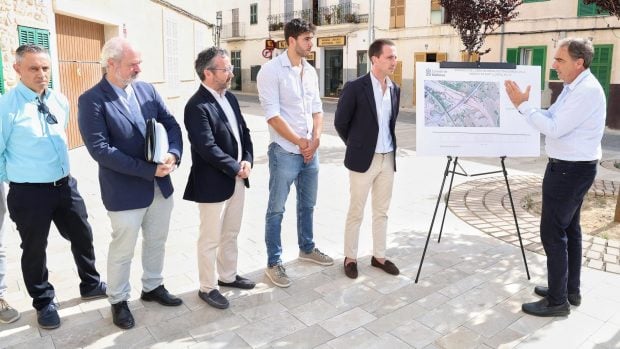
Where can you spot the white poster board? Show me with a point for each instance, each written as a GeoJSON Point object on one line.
{"type": "Point", "coordinates": [466, 112]}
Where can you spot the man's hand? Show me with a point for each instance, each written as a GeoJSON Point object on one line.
{"type": "Point", "coordinates": [169, 165]}
{"type": "Point", "coordinates": [514, 93]}
{"type": "Point", "coordinates": [245, 170]}
{"type": "Point", "coordinates": [310, 150]}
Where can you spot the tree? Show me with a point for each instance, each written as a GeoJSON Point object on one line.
{"type": "Point", "coordinates": [611, 6]}
{"type": "Point", "coordinates": [475, 19]}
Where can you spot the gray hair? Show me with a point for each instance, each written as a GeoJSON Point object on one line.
{"type": "Point", "coordinates": [579, 48]}
{"type": "Point", "coordinates": [205, 60]}
{"type": "Point", "coordinates": [113, 49]}
{"type": "Point", "coordinates": [29, 48]}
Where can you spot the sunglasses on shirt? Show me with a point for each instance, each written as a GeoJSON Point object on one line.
{"type": "Point", "coordinates": [43, 109]}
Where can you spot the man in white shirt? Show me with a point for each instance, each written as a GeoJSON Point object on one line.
{"type": "Point", "coordinates": [365, 120]}
{"type": "Point", "coordinates": [573, 127]}
{"type": "Point", "coordinates": [288, 89]}
{"type": "Point", "coordinates": [222, 155]}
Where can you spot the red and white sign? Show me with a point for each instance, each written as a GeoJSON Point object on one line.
{"type": "Point", "coordinates": [267, 53]}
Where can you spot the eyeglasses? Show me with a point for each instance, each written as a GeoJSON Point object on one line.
{"type": "Point", "coordinates": [43, 109]}
{"type": "Point", "coordinates": [227, 69]}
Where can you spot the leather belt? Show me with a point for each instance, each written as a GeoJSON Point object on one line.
{"type": "Point", "coordinates": [58, 183]}
{"type": "Point", "coordinates": [558, 161]}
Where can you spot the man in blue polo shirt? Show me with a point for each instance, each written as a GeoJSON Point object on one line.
{"type": "Point", "coordinates": [34, 159]}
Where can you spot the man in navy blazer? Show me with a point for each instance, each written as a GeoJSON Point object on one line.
{"type": "Point", "coordinates": [365, 119]}
{"type": "Point", "coordinates": [137, 193]}
{"type": "Point", "coordinates": [222, 155]}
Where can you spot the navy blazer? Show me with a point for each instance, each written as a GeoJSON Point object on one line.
{"type": "Point", "coordinates": [214, 148]}
{"type": "Point", "coordinates": [356, 122]}
{"type": "Point", "coordinates": [114, 140]}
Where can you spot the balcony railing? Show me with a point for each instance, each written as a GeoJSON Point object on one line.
{"type": "Point", "coordinates": [233, 30]}
{"type": "Point", "coordinates": [336, 14]}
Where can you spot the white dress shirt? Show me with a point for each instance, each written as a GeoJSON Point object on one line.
{"type": "Point", "coordinates": [292, 93]}
{"type": "Point", "coordinates": [383, 103]}
{"type": "Point", "coordinates": [230, 116]}
{"type": "Point", "coordinates": [573, 126]}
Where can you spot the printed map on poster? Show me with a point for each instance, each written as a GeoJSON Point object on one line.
{"type": "Point", "coordinates": [466, 112]}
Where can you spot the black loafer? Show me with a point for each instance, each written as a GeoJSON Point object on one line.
{"type": "Point", "coordinates": [121, 316]}
{"type": "Point", "coordinates": [98, 292]}
{"type": "Point", "coordinates": [161, 296]}
{"type": "Point", "coordinates": [214, 299]}
{"type": "Point", "coordinates": [387, 267]}
{"type": "Point", "coordinates": [350, 269]}
{"type": "Point", "coordinates": [542, 308]}
{"type": "Point", "coordinates": [573, 298]}
{"type": "Point", "coordinates": [240, 282]}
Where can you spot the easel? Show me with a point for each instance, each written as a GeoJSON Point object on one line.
{"type": "Point", "coordinates": [447, 171]}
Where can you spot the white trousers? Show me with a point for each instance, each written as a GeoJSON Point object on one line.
{"type": "Point", "coordinates": [220, 223]}
{"type": "Point", "coordinates": [155, 222]}
{"type": "Point", "coordinates": [380, 178]}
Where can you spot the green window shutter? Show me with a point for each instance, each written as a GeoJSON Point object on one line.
{"type": "Point", "coordinates": [512, 55]}
{"type": "Point", "coordinates": [584, 10]}
{"type": "Point", "coordinates": [28, 35]}
{"type": "Point", "coordinates": [601, 65]}
{"type": "Point", "coordinates": [553, 74]}
{"type": "Point", "coordinates": [539, 58]}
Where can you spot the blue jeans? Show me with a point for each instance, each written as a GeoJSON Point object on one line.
{"type": "Point", "coordinates": [284, 169]}
{"type": "Point", "coordinates": [564, 187]}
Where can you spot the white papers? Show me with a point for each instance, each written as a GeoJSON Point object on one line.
{"type": "Point", "coordinates": [161, 143]}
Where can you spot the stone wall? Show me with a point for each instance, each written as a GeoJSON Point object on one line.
{"type": "Point", "coordinates": [31, 13]}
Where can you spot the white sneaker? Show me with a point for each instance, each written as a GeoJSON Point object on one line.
{"type": "Point", "coordinates": [316, 256]}
{"type": "Point", "coordinates": [7, 313]}
{"type": "Point", "coordinates": [277, 275]}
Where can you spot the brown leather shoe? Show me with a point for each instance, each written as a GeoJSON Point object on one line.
{"type": "Point", "coordinates": [387, 267]}
{"type": "Point", "coordinates": [350, 269]}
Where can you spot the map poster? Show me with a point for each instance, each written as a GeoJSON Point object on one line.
{"type": "Point", "coordinates": [466, 112]}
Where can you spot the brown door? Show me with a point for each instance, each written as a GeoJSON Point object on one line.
{"type": "Point", "coordinates": [79, 47]}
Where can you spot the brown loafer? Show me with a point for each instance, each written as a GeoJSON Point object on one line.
{"type": "Point", "coordinates": [350, 269]}
{"type": "Point", "coordinates": [387, 267]}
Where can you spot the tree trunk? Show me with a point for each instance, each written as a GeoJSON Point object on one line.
{"type": "Point", "coordinates": [617, 215]}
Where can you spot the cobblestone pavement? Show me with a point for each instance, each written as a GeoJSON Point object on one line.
{"type": "Point", "coordinates": [485, 204]}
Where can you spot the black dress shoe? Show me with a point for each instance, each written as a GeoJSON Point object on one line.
{"type": "Point", "coordinates": [240, 282]}
{"type": "Point", "coordinates": [573, 298]}
{"type": "Point", "coordinates": [161, 296]}
{"type": "Point", "coordinates": [387, 267]}
{"type": "Point", "coordinates": [350, 269]}
{"type": "Point", "coordinates": [542, 308]}
{"type": "Point", "coordinates": [121, 316]}
{"type": "Point", "coordinates": [214, 299]}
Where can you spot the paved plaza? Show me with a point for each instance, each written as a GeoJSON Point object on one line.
{"type": "Point", "coordinates": [469, 294]}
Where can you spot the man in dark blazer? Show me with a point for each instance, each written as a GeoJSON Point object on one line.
{"type": "Point", "coordinates": [222, 156]}
{"type": "Point", "coordinates": [137, 193]}
{"type": "Point", "coordinates": [365, 119]}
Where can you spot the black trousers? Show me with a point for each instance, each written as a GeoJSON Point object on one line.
{"type": "Point", "coordinates": [33, 207]}
{"type": "Point", "coordinates": [564, 187]}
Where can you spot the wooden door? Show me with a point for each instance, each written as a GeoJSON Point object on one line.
{"type": "Point", "coordinates": [79, 47]}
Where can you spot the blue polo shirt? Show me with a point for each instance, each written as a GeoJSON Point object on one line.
{"type": "Point", "coordinates": [32, 150]}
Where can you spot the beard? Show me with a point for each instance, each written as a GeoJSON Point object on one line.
{"type": "Point", "coordinates": [125, 81]}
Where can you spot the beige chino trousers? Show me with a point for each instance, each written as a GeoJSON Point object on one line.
{"type": "Point", "coordinates": [380, 179]}
{"type": "Point", "coordinates": [220, 223]}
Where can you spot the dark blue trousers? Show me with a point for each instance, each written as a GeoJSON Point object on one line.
{"type": "Point", "coordinates": [33, 207]}
{"type": "Point", "coordinates": [564, 187]}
